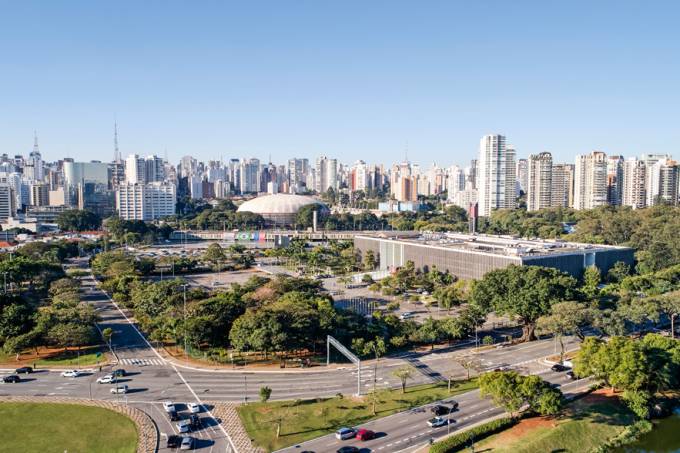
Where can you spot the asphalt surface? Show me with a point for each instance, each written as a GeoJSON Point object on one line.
{"type": "Point", "coordinates": [152, 380]}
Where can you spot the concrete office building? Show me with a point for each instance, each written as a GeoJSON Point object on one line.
{"type": "Point", "coordinates": [495, 175]}
{"type": "Point", "coordinates": [471, 256]}
{"type": "Point", "coordinates": [80, 172]}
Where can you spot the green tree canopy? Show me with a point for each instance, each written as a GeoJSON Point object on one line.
{"type": "Point", "coordinates": [525, 292]}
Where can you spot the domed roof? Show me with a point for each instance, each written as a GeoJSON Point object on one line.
{"type": "Point", "coordinates": [280, 203]}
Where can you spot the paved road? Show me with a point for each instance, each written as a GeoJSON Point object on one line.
{"type": "Point", "coordinates": [152, 380]}
{"type": "Point", "coordinates": [408, 431]}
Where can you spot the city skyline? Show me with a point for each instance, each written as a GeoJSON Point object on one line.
{"type": "Point", "coordinates": [307, 80]}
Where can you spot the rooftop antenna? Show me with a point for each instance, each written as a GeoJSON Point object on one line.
{"type": "Point", "coordinates": [35, 141]}
{"type": "Point", "coordinates": [116, 151]}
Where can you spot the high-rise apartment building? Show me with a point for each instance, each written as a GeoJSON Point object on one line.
{"type": "Point", "coordinates": [539, 184]}
{"type": "Point", "coordinates": [151, 201]}
{"type": "Point", "coordinates": [562, 186]}
{"type": "Point", "coordinates": [39, 194]}
{"type": "Point", "coordinates": [495, 175]}
{"type": "Point", "coordinates": [522, 172]}
{"type": "Point", "coordinates": [590, 180]}
{"type": "Point", "coordinates": [8, 205]}
{"type": "Point", "coordinates": [325, 174]}
{"type": "Point", "coordinates": [634, 183]}
{"type": "Point", "coordinates": [664, 179]}
{"type": "Point", "coordinates": [615, 180]}
{"type": "Point", "coordinates": [135, 171]}
{"type": "Point", "coordinates": [249, 175]}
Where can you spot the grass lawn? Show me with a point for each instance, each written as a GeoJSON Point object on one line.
{"type": "Point", "coordinates": [307, 419]}
{"type": "Point", "coordinates": [33, 427]}
{"type": "Point", "coordinates": [88, 356]}
{"type": "Point", "coordinates": [587, 423]}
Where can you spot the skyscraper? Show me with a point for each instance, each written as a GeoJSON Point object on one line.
{"type": "Point", "coordinates": [250, 175]}
{"type": "Point", "coordinates": [615, 180]}
{"type": "Point", "coordinates": [634, 183]}
{"type": "Point", "coordinates": [590, 180]}
{"type": "Point", "coordinates": [495, 175]}
{"type": "Point", "coordinates": [539, 183]}
{"type": "Point", "coordinates": [522, 176]}
{"type": "Point", "coordinates": [562, 188]}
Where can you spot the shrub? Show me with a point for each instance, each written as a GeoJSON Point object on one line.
{"type": "Point", "coordinates": [628, 435]}
{"type": "Point", "coordinates": [394, 305]}
{"type": "Point", "coordinates": [461, 440]}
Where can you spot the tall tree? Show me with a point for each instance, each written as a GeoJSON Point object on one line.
{"type": "Point", "coordinates": [526, 292]}
{"type": "Point", "coordinates": [565, 318]}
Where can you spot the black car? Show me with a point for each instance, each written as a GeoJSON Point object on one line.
{"type": "Point", "coordinates": [119, 372]}
{"type": "Point", "coordinates": [173, 441]}
{"type": "Point", "coordinates": [571, 375]}
{"type": "Point", "coordinates": [195, 420]}
{"type": "Point", "coordinates": [24, 369]}
{"type": "Point", "coordinates": [172, 415]}
{"type": "Point", "coordinates": [348, 449]}
{"type": "Point", "coordinates": [440, 410]}
{"type": "Point", "coordinates": [559, 367]}
{"type": "Point", "coordinates": [13, 378]}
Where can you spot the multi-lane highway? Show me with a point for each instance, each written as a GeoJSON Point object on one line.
{"type": "Point", "coordinates": [152, 380]}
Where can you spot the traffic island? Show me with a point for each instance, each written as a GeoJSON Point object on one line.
{"type": "Point", "coordinates": [146, 431]}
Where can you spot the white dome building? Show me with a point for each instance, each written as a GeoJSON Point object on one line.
{"type": "Point", "coordinates": [280, 208]}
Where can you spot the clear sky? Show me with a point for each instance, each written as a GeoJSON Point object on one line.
{"type": "Point", "coordinates": [353, 80]}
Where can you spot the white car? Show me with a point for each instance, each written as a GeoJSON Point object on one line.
{"type": "Point", "coordinates": [121, 389]}
{"type": "Point", "coordinates": [406, 315]}
{"type": "Point", "coordinates": [169, 406]}
{"type": "Point", "coordinates": [71, 373]}
{"type": "Point", "coordinates": [194, 408]}
{"type": "Point", "coordinates": [437, 422]}
{"type": "Point", "coordinates": [184, 426]}
{"type": "Point", "coordinates": [108, 379]}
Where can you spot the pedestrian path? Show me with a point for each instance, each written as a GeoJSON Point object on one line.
{"type": "Point", "coordinates": [142, 362]}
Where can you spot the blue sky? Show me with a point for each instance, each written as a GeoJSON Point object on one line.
{"type": "Point", "coordinates": [347, 79]}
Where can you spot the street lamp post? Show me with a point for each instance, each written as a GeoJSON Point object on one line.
{"type": "Point", "coordinates": [186, 356]}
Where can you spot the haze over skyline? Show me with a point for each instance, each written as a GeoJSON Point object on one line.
{"type": "Point", "coordinates": [351, 80]}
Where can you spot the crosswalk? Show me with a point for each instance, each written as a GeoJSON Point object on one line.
{"type": "Point", "coordinates": [142, 362]}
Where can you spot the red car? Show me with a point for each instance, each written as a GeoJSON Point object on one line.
{"type": "Point", "coordinates": [365, 434]}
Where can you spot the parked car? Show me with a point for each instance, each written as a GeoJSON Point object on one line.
{"type": "Point", "coordinates": [348, 449]}
{"type": "Point", "coordinates": [24, 370]}
{"type": "Point", "coordinates": [108, 379]}
{"type": "Point", "coordinates": [169, 406]}
{"type": "Point", "coordinates": [437, 422]}
{"type": "Point", "coordinates": [71, 373]}
{"type": "Point", "coordinates": [345, 433]}
{"type": "Point", "coordinates": [195, 420]}
{"type": "Point", "coordinates": [172, 415]}
{"type": "Point", "coordinates": [365, 434]}
{"type": "Point", "coordinates": [119, 389]}
{"type": "Point", "coordinates": [187, 443]}
{"type": "Point", "coordinates": [184, 426]}
{"type": "Point", "coordinates": [558, 367]}
{"type": "Point", "coordinates": [571, 375]}
{"type": "Point", "coordinates": [194, 408]}
{"type": "Point", "coordinates": [12, 378]}
{"type": "Point", "coordinates": [173, 441]}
